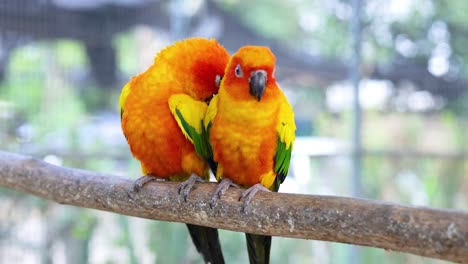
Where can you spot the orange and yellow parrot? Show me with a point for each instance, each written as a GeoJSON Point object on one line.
{"type": "Point", "coordinates": [182, 79]}
{"type": "Point", "coordinates": [251, 130]}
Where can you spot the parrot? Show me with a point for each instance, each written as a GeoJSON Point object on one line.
{"type": "Point", "coordinates": [180, 82]}
{"type": "Point", "coordinates": [251, 129]}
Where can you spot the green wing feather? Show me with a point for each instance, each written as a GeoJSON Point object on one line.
{"type": "Point", "coordinates": [189, 114]}
{"type": "Point", "coordinates": [207, 122]}
{"type": "Point", "coordinates": [286, 135]}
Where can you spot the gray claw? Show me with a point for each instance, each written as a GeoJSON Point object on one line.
{"type": "Point", "coordinates": [140, 182]}
{"type": "Point", "coordinates": [186, 186]}
{"type": "Point", "coordinates": [250, 193]}
{"type": "Point", "coordinates": [220, 190]}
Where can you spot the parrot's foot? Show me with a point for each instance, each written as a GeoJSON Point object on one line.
{"type": "Point", "coordinates": [221, 189]}
{"type": "Point", "coordinates": [250, 193]}
{"type": "Point", "coordinates": [186, 186]}
{"type": "Point", "coordinates": [140, 182]}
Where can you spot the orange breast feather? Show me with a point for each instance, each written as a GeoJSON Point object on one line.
{"type": "Point", "coordinates": [244, 141]}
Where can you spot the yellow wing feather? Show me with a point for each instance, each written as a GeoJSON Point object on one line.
{"type": "Point", "coordinates": [286, 135]}
{"type": "Point", "coordinates": [123, 96]}
{"type": "Point", "coordinates": [188, 111]}
{"type": "Point", "coordinates": [286, 126]}
{"type": "Point", "coordinates": [211, 112]}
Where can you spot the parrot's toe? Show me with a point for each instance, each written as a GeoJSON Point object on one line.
{"type": "Point", "coordinates": [220, 190]}
{"type": "Point", "coordinates": [186, 186]}
{"type": "Point", "coordinates": [250, 193]}
{"type": "Point", "coordinates": [140, 182]}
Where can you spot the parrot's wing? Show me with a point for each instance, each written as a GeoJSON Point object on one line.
{"type": "Point", "coordinates": [189, 114]}
{"type": "Point", "coordinates": [211, 113]}
{"type": "Point", "coordinates": [123, 97]}
{"type": "Point", "coordinates": [207, 122]}
{"type": "Point", "coordinates": [286, 135]}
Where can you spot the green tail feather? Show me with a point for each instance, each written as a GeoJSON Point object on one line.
{"type": "Point", "coordinates": [258, 247]}
{"type": "Point", "coordinates": [206, 241]}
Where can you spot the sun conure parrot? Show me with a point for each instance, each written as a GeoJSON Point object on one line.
{"type": "Point", "coordinates": [251, 129]}
{"type": "Point", "coordinates": [183, 77]}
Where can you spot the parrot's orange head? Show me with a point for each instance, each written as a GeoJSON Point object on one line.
{"type": "Point", "coordinates": [250, 73]}
{"type": "Point", "coordinates": [206, 60]}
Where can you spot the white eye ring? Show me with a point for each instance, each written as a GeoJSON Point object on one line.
{"type": "Point", "coordinates": [238, 71]}
{"type": "Point", "coordinates": [218, 80]}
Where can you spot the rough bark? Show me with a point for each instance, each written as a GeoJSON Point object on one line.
{"type": "Point", "coordinates": [429, 232]}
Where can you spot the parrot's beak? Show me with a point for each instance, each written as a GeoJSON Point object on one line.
{"type": "Point", "coordinates": [257, 82]}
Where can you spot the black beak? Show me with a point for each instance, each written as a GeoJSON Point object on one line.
{"type": "Point", "coordinates": [257, 82]}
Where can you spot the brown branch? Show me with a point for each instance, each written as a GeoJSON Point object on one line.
{"type": "Point", "coordinates": [423, 231]}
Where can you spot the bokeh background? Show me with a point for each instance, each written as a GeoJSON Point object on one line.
{"type": "Point", "coordinates": [63, 62]}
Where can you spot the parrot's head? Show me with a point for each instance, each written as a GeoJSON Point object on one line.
{"type": "Point", "coordinates": [250, 74]}
{"type": "Point", "coordinates": [207, 60]}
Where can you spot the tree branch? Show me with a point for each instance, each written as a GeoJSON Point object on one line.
{"type": "Point", "coordinates": [422, 231]}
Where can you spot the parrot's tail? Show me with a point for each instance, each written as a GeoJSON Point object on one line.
{"type": "Point", "coordinates": [206, 241]}
{"type": "Point", "coordinates": [258, 247]}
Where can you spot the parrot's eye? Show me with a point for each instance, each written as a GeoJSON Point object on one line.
{"type": "Point", "coordinates": [238, 71]}
{"type": "Point", "coordinates": [218, 80]}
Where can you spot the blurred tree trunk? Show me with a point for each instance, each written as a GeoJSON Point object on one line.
{"type": "Point", "coordinates": [77, 248]}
